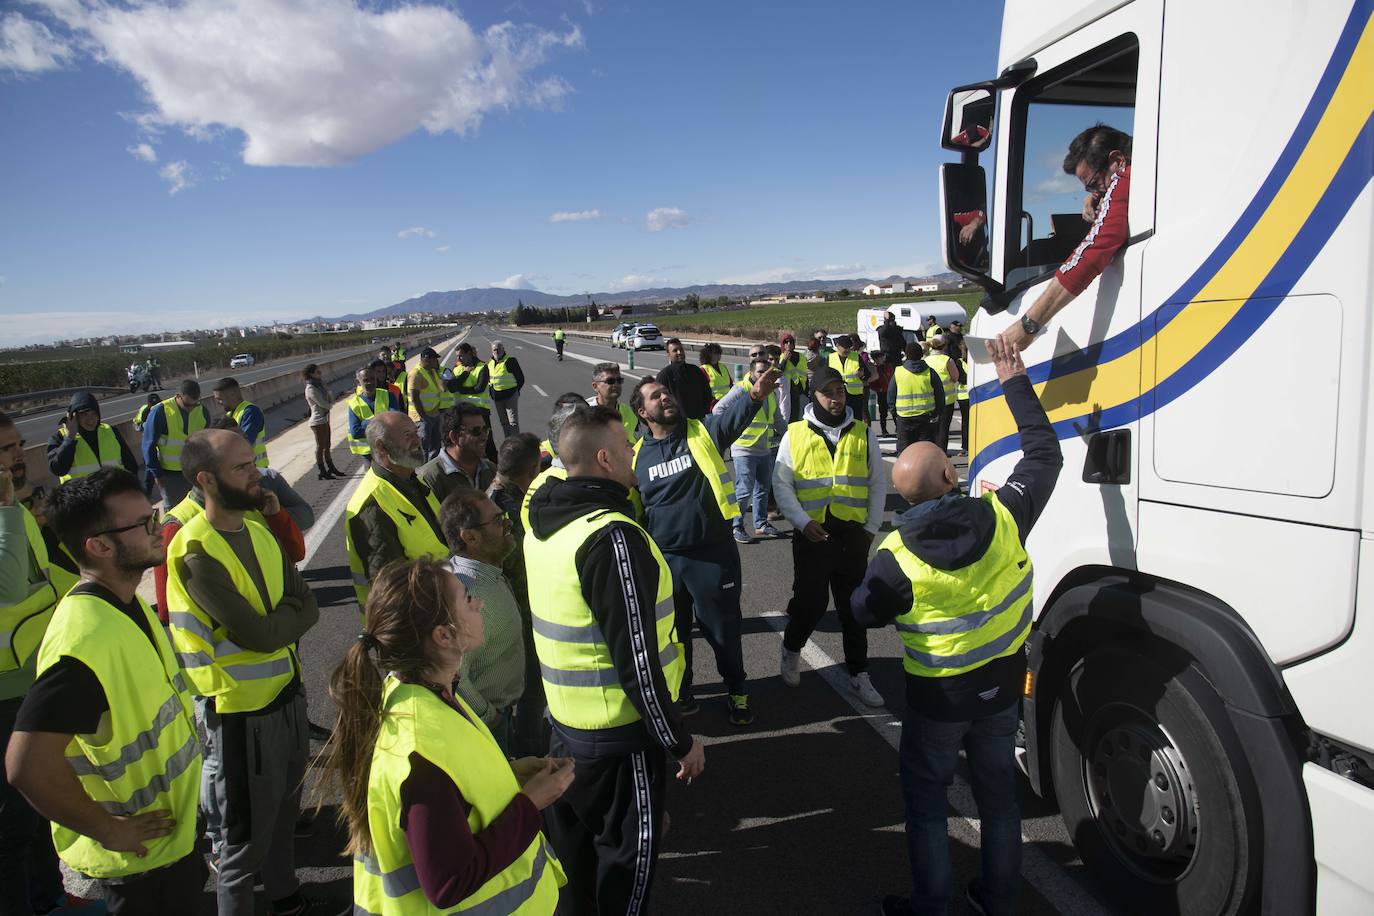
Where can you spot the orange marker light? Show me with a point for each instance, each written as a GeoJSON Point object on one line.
{"type": "Point", "coordinates": [1029, 687]}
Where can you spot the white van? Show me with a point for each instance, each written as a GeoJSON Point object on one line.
{"type": "Point", "coordinates": [910, 317]}
{"type": "Point", "coordinates": [1200, 671]}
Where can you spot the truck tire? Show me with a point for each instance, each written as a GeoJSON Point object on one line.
{"type": "Point", "coordinates": [1155, 804]}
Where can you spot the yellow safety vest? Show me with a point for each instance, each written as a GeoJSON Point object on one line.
{"type": "Point", "coordinates": [964, 618]}
{"type": "Point", "coordinates": [418, 538]}
{"type": "Point", "coordinates": [432, 395]}
{"type": "Point", "coordinates": [22, 625]}
{"type": "Point", "coordinates": [849, 368]}
{"type": "Point", "coordinates": [762, 424]}
{"type": "Point", "coordinates": [481, 400]}
{"type": "Point", "coordinates": [719, 380]}
{"type": "Point", "coordinates": [260, 446]}
{"type": "Point", "coordinates": [169, 446]}
{"type": "Point", "coordinates": [402, 384]}
{"type": "Point", "coordinates": [381, 400]}
{"type": "Point", "coordinates": [581, 683]}
{"type": "Point", "coordinates": [963, 386]}
{"type": "Point", "coordinates": [190, 508]}
{"type": "Point", "coordinates": [146, 756]}
{"type": "Point", "coordinates": [85, 461]}
{"type": "Point", "coordinates": [502, 379]}
{"type": "Point", "coordinates": [141, 416]}
{"type": "Point", "coordinates": [627, 416]}
{"type": "Point", "coordinates": [940, 362]}
{"type": "Point", "coordinates": [414, 720]}
{"type": "Point", "coordinates": [795, 370]}
{"type": "Point", "coordinates": [915, 393]}
{"type": "Point", "coordinates": [559, 335]}
{"type": "Point", "coordinates": [836, 482]}
{"type": "Point", "coordinates": [239, 679]}
{"type": "Point", "coordinates": [552, 473]}
{"type": "Point", "coordinates": [709, 462]}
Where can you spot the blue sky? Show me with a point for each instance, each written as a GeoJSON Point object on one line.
{"type": "Point", "coordinates": [208, 162]}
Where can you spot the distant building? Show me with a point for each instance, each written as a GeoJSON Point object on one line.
{"type": "Point", "coordinates": [924, 288]}
{"type": "Point", "coordinates": [887, 289]}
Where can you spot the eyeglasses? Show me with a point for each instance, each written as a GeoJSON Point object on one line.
{"type": "Point", "coordinates": [148, 524]}
{"type": "Point", "coordinates": [503, 518]}
{"type": "Point", "coordinates": [611, 380]}
{"type": "Point", "coordinates": [476, 432]}
{"type": "Point", "coordinates": [37, 494]}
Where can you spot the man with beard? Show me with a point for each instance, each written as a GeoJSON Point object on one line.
{"type": "Point", "coordinates": [237, 607]}
{"type": "Point", "coordinates": [392, 515]}
{"type": "Point", "coordinates": [688, 383]}
{"type": "Point", "coordinates": [689, 507]}
{"type": "Point", "coordinates": [29, 878]}
{"type": "Point", "coordinates": [109, 716]}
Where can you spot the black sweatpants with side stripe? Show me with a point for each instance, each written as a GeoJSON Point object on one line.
{"type": "Point", "coordinates": [606, 830]}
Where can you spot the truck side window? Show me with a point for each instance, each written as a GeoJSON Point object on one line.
{"type": "Point", "coordinates": [1045, 219]}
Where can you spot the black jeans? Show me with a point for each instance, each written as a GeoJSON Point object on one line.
{"type": "Point", "coordinates": [706, 586]}
{"type": "Point", "coordinates": [915, 429]}
{"type": "Point", "coordinates": [946, 419]}
{"type": "Point", "coordinates": [174, 890]}
{"type": "Point", "coordinates": [835, 567]}
{"type": "Point", "coordinates": [29, 877]}
{"type": "Point", "coordinates": [882, 407]}
{"type": "Point", "coordinates": [963, 424]}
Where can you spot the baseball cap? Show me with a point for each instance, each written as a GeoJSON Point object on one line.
{"type": "Point", "coordinates": [823, 376]}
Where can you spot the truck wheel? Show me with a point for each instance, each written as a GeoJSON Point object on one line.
{"type": "Point", "coordinates": [1153, 801]}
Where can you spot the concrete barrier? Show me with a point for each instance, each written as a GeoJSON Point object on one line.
{"type": "Point", "coordinates": [266, 393]}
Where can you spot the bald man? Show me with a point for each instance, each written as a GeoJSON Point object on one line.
{"type": "Point", "coordinates": [956, 580]}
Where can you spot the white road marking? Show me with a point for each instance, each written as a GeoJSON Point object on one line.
{"type": "Point", "coordinates": [586, 359]}
{"type": "Point", "coordinates": [1042, 872]}
{"type": "Point", "coordinates": [538, 389]}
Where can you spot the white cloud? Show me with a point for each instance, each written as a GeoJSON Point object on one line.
{"type": "Point", "coordinates": [144, 152]}
{"type": "Point", "coordinates": [635, 281]}
{"type": "Point", "coordinates": [573, 216]}
{"type": "Point", "coordinates": [1057, 185]}
{"type": "Point", "coordinates": [662, 218]}
{"type": "Point", "coordinates": [178, 176]}
{"type": "Point", "coordinates": [27, 46]}
{"type": "Point", "coordinates": [791, 274]}
{"type": "Point", "coordinates": [308, 83]}
{"type": "Point", "coordinates": [415, 232]}
{"type": "Point", "coordinates": [514, 281]}
{"type": "Point", "coordinates": [441, 248]}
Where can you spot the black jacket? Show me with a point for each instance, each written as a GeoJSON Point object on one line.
{"type": "Point", "coordinates": [619, 583]}
{"type": "Point", "coordinates": [891, 339]}
{"type": "Point", "coordinates": [951, 532]}
{"type": "Point", "coordinates": [62, 449]}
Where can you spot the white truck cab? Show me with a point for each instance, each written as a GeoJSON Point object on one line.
{"type": "Point", "coordinates": [1199, 690]}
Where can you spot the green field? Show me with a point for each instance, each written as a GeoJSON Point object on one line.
{"type": "Point", "coordinates": [766, 322]}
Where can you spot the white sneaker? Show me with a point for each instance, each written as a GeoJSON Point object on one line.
{"type": "Point", "coordinates": [790, 667]}
{"type": "Point", "coordinates": [863, 686]}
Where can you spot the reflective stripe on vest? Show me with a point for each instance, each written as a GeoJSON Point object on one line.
{"type": "Point", "coordinates": [150, 759]}
{"type": "Point", "coordinates": [762, 424]}
{"type": "Point", "coordinates": [430, 395]}
{"type": "Point", "coordinates": [170, 445]}
{"type": "Point", "coordinates": [260, 446]}
{"type": "Point", "coordinates": [240, 680]}
{"type": "Point", "coordinates": [502, 379]}
{"type": "Point", "coordinates": [709, 462]}
{"type": "Point", "coordinates": [962, 619]}
{"type": "Point", "coordinates": [963, 386]}
{"type": "Point", "coordinates": [942, 364]}
{"type": "Point", "coordinates": [22, 625]}
{"type": "Point", "coordinates": [549, 474]}
{"type": "Point", "coordinates": [795, 371]}
{"type": "Point", "coordinates": [915, 392]}
{"type": "Point", "coordinates": [719, 380]}
{"type": "Point", "coordinates": [385, 882]}
{"type": "Point", "coordinates": [836, 482]}
{"type": "Point", "coordinates": [381, 401]}
{"type": "Point", "coordinates": [849, 368]}
{"type": "Point", "coordinates": [559, 335]}
{"type": "Point", "coordinates": [418, 538]}
{"type": "Point", "coordinates": [481, 399]}
{"type": "Point", "coordinates": [85, 461]}
{"type": "Point", "coordinates": [581, 684]}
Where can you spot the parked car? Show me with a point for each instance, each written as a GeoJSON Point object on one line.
{"type": "Point", "coordinates": [644, 337]}
{"type": "Point", "coordinates": [241, 361]}
{"type": "Point", "coordinates": [620, 332]}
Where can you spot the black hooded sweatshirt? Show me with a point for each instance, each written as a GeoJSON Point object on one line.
{"type": "Point", "coordinates": [62, 450]}
{"type": "Point", "coordinates": [619, 583]}
{"type": "Point", "coordinates": [951, 532]}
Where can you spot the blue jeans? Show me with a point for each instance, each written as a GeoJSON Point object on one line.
{"type": "Point", "coordinates": [929, 752]}
{"type": "Point", "coordinates": [753, 478]}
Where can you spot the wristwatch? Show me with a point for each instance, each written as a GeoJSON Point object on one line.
{"type": "Point", "coordinates": [1030, 325]}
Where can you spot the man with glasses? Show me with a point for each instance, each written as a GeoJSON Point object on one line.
{"type": "Point", "coordinates": [607, 383]}
{"type": "Point", "coordinates": [461, 461]}
{"type": "Point", "coordinates": [29, 878]}
{"type": "Point", "coordinates": [392, 515]}
{"type": "Point", "coordinates": [1100, 157]}
{"type": "Point", "coordinates": [110, 717]}
{"type": "Point", "coordinates": [493, 675]}
{"type": "Point", "coordinates": [238, 606]}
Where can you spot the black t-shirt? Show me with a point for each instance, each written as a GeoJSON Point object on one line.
{"type": "Point", "coordinates": [67, 699]}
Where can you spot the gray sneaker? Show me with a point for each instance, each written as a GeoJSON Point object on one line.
{"type": "Point", "coordinates": [789, 667]}
{"type": "Point", "coordinates": [768, 531]}
{"type": "Point", "coordinates": [741, 537]}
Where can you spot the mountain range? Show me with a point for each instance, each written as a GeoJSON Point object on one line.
{"type": "Point", "coordinates": [493, 298]}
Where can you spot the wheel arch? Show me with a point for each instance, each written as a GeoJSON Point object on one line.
{"type": "Point", "coordinates": [1172, 623]}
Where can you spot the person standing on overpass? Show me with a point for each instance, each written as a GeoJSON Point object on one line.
{"type": "Point", "coordinates": [170, 423]}
{"type": "Point", "coordinates": [247, 415]}
{"type": "Point", "coordinates": [559, 337]}
{"type": "Point", "coordinates": [689, 510]}
{"type": "Point", "coordinates": [507, 379]}
{"type": "Point", "coordinates": [956, 580]}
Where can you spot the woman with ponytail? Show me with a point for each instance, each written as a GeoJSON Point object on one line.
{"type": "Point", "coordinates": [437, 817]}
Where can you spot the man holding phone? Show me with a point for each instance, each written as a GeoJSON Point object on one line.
{"type": "Point", "coordinates": [830, 483]}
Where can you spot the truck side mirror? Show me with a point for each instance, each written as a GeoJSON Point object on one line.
{"type": "Point", "coordinates": [968, 119]}
{"type": "Point", "coordinates": [964, 223]}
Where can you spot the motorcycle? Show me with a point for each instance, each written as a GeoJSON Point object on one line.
{"type": "Point", "coordinates": [139, 377]}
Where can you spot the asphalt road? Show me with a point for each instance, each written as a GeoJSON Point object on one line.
{"type": "Point", "coordinates": [117, 408]}
{"type": "Point", "coordinates": [802, 812]}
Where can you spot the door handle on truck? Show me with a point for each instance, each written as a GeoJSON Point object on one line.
{"type": "Point", "coordinates": [1109, 458]}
